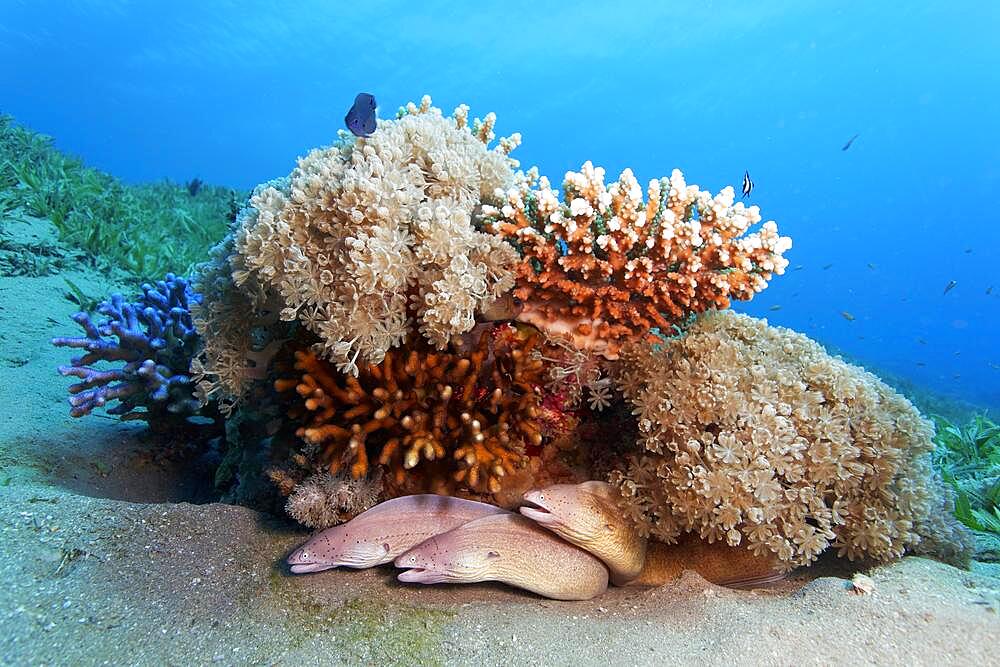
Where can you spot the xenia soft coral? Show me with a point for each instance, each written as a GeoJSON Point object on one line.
{"type": "Point", "coordinates": [603, 267]}
{"type": "Point", "coordinates": [324, 500]}
{"type": "Point", "coordinates": [372, 235]}
{"type": "Point", "coordinates": [755, 435]}
{"type": "Point", "coordinates": [240, 331]}
{"type": "Point", "coordinates": [155, 340]}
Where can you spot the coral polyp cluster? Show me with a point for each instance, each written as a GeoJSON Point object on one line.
{"type": "Point", "coordinates": [324, 500]}
{"type": "Point", "coordinates": [434, 421]}
{"type": "Point", "coordinates": [753, 434]}
{"type": "Point", "coordinates": [372, 236]}
{"type": "Point", "coordinates": [603, 266]}
{"type": "Point", "coordinates": [239, 329]}
{"type": "Point", "coordinates": [404, 313]}
{"type": "Point", "coordinates": [153, 339]}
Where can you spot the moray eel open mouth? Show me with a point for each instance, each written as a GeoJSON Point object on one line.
{"type": "Point", "coordinates": [412, 575]}
{"type": "Point", "coordinates": [301, 562]}
{"type": "Point", "coordinates": [536, 511]}
{"type": "Point", "coordinates": [421, 575]}
{"type": "Point", "coordinates": [305, 568]}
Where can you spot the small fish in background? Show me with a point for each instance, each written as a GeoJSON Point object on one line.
{"type": "Point", "coordinates": [850, 141]}
{"type": "Point", "coordinates": [921, 364]}
{"type": "Point", "coordinates": [507, 307]}
{"type": "Point", "coordinates": [968, 251]}
{"type": "Point", "coordinates": [871, 265]}
{"type": "Point", "coordinates": [989, 290]}
{"type": "Point", "coordinates": [194, 186]}
{"type": "Point", "coordinates": [922, 341]}
{"type": "Point", "coordinates": [847, 316]}
{"type": "Point", "coordinates": [747, 184]}
{"type": "Point", "coordinates": [994, 366]}
{"type": "Point", "coordinates": [827, 266]}
{"type": "Point", "coordinates": [360, 118]}
{"type": "Point", "coordinates": [798, 267]}
{"type": "Point", "coordinates": [776, 307]}
{"type": "Point", "coordinates": [949, 287]}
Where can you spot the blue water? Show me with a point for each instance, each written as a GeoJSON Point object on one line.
{"type": "Point", "coordinates": [233, 92]}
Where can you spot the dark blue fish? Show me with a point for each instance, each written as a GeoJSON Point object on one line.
{"type": "Point", "coordinates": [563, 247]}
{"type": "Point", "coordinates": [849, 142]}
{"type": "Point", "coordinates": [360, 118]}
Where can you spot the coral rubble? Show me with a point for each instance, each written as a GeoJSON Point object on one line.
{"type": "Point", "coordinates": [755, 435]}
{"type": "Point", "coordinates": [603, 266]}
{"type": "Point", "coordinates": [156, 341]}
{"type": "Point", "coordinates": [435, 421]}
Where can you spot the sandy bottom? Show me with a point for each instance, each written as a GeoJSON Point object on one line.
{"type": "Point", "coordinates": [105, 561]}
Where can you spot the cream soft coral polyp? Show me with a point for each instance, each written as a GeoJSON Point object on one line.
{"type": "Point", "coordinates": [755, 435]}
{"type": "Point", "coordinates": [373, 235]}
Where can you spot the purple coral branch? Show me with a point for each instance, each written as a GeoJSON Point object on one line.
{"type": "Point", "coordinates": [156, 339]}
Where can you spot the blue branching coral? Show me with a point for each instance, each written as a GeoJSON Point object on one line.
{"type": "Point", "coordinates": [156, 341]}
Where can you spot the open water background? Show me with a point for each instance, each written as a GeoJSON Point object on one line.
{"type": "Point", "coordinates": [232, 92]}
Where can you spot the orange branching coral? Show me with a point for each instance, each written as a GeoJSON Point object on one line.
{"type": "Point", "coordinates": [603, 266]}
{"type": "Point", "coordinates": [435, 421]}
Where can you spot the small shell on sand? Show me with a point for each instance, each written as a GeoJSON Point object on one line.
{"type": "Point", "coordinates": [861, 584]}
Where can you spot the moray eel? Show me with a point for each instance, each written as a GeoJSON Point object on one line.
{"type": "Point", "coordinates": [719, 563]}
{"type": "Point", "coordinates": [385, 531]}
{"type": "Point", "coordinates": [588, 516]}
{"type": "Point", "coordinates": [511, 549]}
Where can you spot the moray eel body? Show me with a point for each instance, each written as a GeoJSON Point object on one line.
{"type": "Point", "coordinates": [719, 563]}
{"type": "Point", "coordinates": [385, 531]}
{"type": "Point", "coordinates": [588, 516]}
{"type": "Point", "coordinates": [511, 549]}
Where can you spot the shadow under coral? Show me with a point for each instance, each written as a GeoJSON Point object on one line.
{"type": "Point", "coordinates": [119, 461]}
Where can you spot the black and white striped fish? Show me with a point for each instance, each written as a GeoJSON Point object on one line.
{"type": "Point", "coordinates": [747, 184]}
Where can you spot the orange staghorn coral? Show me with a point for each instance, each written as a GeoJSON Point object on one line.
{"type": "Point", "coordinates": [435, 421]}
{"type": "Point", "coordinates": [602, 266]}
